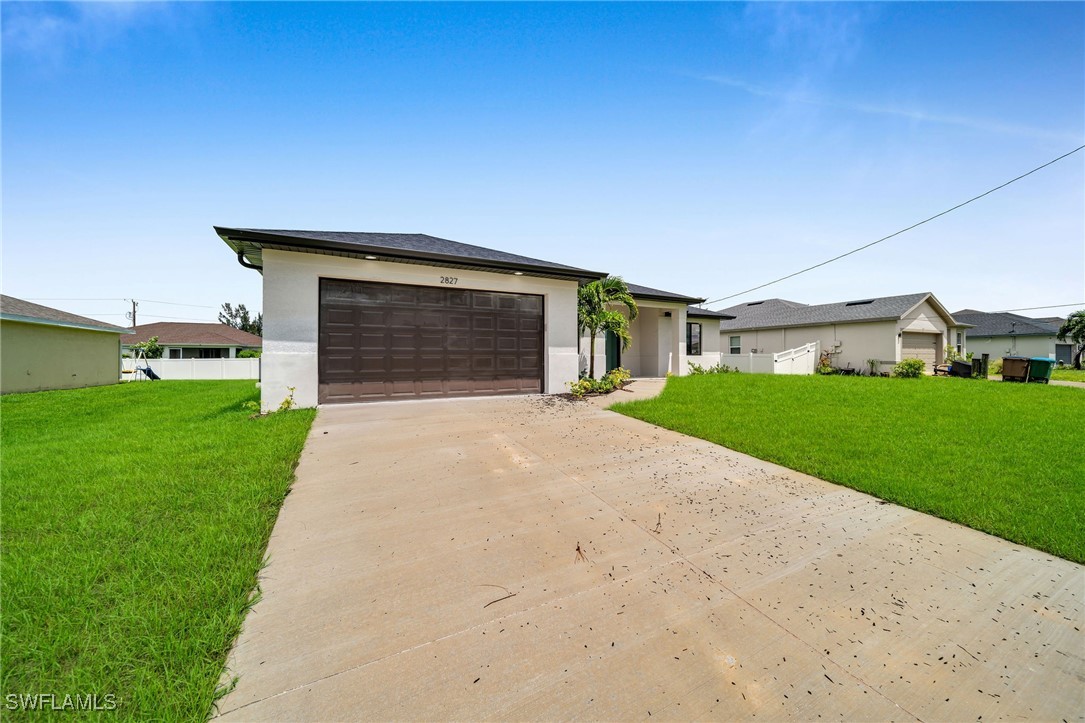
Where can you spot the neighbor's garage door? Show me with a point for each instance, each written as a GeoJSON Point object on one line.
{"type": "Point", "coordinates": [389, 341]}
{"type": "Point", "coordinates": [921, 346]}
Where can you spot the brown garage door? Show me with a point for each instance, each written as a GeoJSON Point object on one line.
{"type": "Point", "coordinates": [389, 341]}
{"type": "Point", "coordinates": [921, 346]}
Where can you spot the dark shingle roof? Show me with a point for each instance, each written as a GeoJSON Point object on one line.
{"type": "Point", "coordinates": [696, 312]}
{"type": "Point", "coordinates": [14, 309]}
{"type": "Point", "coordinates": [1003, 324]}
{"type": "Point", "coordinates": [183, 332]}
{"type": "Point", "coordinates": [646, 292]}
{"type": "Point", "coordinates": [403, 247]}
{"type": "Point", "coordinates": [775, 313]}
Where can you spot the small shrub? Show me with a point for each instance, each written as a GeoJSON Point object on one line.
{"type": "Point", "coordinates": [825, 368]}
{"type": "Point", "coordinates": [248, 354]}
{"type": "Point", "coordinates": [287, 403]}
{"type": "Point", "coordinates": [995, 367]}
{"type": "Point", "coordinates": [614, 379]}
{"type": "Point", "coordinates": [909, 368]}
{"type": "Point", "coordinates": [695, 369]}
{"type": "Point", "coordinates": [874, 365]}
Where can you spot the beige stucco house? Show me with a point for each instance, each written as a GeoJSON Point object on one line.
{"type": "Point", "coordinates": [44, 348]}
{"type": "Point", "coordinates": [352, 317]}
{"type": "Point", "coordinates": [669, 333]}
{"type": "Point", "coordinates": [1004, 334]}
{"type": "Point", "coordinates": [888, 329]}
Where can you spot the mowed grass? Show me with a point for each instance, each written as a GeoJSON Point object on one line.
{"type": "Point", "coordinates": [1008, 459]}
{"type": "Point", "coordinates": [1069, 375]}
{"type": "Point", "coordinates": [134, 521]}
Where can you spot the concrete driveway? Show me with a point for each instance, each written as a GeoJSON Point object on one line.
{"type": "Point", "coordinates": [533, 558]}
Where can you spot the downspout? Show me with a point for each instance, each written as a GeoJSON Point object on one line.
{"type": "Point", "coordinates": [241, 260]}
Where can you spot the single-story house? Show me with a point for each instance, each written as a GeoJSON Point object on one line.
{"type": "Point", "coordinates": [45, 348]}
{"type": "Point", "coordinates": [354, 317]}
{"type": "Point", "coordinates": [1004, 334]}
{"type": "Point", "coordinates": [185, 340]}
{"type": "Point", "coordinates": [669, 333]}
{"type": "Point", "coordinates": [888, 329]}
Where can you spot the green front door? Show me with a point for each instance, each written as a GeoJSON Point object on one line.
{"type": "Point", "coordinates": [614, 351]}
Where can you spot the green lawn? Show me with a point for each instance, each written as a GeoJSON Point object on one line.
{"type": "Point", "coordinates": [1069, 375]}
{"type": "Point", "coordinates": [1004, 458]}
{"type": "Point", "coordinates": [134, 521]}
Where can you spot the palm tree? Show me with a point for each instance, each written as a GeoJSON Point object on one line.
{"type": "Point", "coordinates": [1074, 328]}
{"type": "Point", "coordinates": [595, 316]}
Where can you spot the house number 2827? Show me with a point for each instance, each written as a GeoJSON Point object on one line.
{"type": "Point", "coordinates": [449, 280]}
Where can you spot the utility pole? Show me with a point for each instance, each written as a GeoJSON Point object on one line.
{"type": "Point", "coordinates": [132, 314]}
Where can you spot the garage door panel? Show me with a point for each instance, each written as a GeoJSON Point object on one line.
{"type": "Point", "coordinates": [482, 300]}
{"type": "Point", "coordinates": [387, 341]}
{"type": "Point", "coordinates": [458, 363]}
{"type": "Point", "coordinates": [921, 346]}
{"type": "Point", "coordinates": [431, 363]}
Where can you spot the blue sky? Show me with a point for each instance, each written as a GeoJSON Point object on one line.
{"type": "Point", "coordinates": [700, 148]}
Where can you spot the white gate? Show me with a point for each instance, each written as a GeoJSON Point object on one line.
{"type": "Point", "coordinates": [803, 360]}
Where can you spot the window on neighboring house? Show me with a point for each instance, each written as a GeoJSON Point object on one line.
{"type": "Point", "coordinates": [960, 343]}
{"type": "Point", "coordinates": [693, 338]}
{"type": "Point", "coordinates": [736, 344]}
{"type": "Point", "coordinates": [175, 353]}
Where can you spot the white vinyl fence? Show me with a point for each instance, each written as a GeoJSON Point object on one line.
{"type": "Point", "coordinates": [194, 369]}
{"type": "Point", "coordinates": [802, 360]}
{"type": "Point", "coordinates": [749, 363]}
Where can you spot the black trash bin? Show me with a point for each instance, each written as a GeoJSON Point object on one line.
{"type": "Point", "coordinates": [961, 369]}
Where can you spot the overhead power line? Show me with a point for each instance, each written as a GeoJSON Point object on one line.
{"type": "Point", "coordinates": [1034, 308]}
{"type": "Point", "coordinates": [142, 301]}
{"type": "Point", "coordinates": [897, 233]}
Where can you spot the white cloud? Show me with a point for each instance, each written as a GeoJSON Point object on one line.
{"type": "Point", "coordinates": [47, 32]}
{"type": "Point", "coordinates": [918, 115]}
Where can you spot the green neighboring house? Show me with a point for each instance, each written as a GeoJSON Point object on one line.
{"type": "Point", "coordinates": [44, 348]}
{"type": "Point", "coordinates": [1004, 334]}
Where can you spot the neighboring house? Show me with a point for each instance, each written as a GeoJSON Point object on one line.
{"type": "Point", "coordinates": [45, 348]}
{"type": "Point", "coordinates": [184, 340]}
{"type": "Point", "coordinates": [668, 334]}
{"type": "Point", "coordinates": [887, 329]}
{"type": "Point", "coordinates": [354, 317]}
{"type": "Point", "coordinates": [1003, 334]}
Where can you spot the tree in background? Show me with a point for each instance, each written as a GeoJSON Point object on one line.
{"type": "Point", "coordinates": [150, 348]}
{"type": "Point", "coordinates": [239, 318]}
{"type": "Point", "coordinates": [594, 315]}
{"type": "Point", "coordinates": [1074, 329]}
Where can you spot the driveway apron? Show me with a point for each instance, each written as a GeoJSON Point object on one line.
{"type": "Point", "coordinates": [537, 558]}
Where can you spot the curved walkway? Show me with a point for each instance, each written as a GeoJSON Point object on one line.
{"type": "Point", "coordinates": [536, 558]}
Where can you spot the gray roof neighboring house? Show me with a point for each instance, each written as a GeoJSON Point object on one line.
{"type": "Point", "coordinates": [12, 309]}
{"type": "Point", "coordinates": [778, 313]}
{"type": "Point", "coordinates": [411, 248]}
{"type": "Point", "coordinates": [1004, 324]}
{"type": "Point", "coordinates": [650, 294]}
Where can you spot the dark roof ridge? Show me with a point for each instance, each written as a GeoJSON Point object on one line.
{"type": "Point", "coordinates": [401, 247]}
